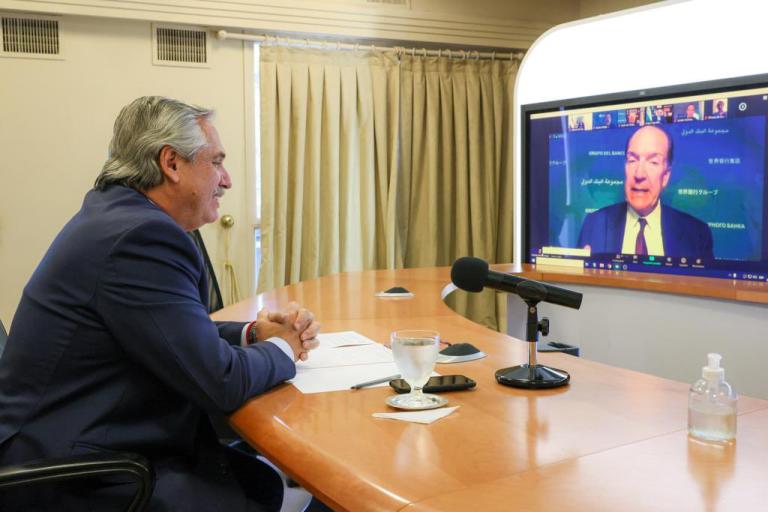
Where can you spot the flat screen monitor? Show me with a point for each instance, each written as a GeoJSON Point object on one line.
{"type": "Point", "coordinates": [669, 180]}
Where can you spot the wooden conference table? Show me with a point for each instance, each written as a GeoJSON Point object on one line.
{"type": "Point", "coordinates": [614, 439]}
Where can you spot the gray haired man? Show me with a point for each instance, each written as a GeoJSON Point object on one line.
{"type": "Point", "coordinates": [111, 348]}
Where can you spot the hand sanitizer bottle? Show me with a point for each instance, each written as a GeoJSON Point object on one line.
{"type": "Point", "coordinates": [712, 405]}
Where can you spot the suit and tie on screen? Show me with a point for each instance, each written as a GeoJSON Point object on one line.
{"type": "Point", "coordinates": [641, 224]}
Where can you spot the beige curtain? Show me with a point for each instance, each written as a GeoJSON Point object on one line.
{"type": "Point", "coordinates": [370, 160]}
{"type": "Point", "coordinates": [329, 128]}
{"type": "Point", "coordinates": [456, 168]}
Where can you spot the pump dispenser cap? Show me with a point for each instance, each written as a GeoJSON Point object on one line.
{"type": "Point", "coordinates": [712, 372]}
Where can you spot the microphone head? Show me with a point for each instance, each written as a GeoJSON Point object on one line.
{"type": "Point", "coordinates": [469, 273]}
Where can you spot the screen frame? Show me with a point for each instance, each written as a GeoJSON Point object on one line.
{"type": "Point", "coordinates": [608, 99]}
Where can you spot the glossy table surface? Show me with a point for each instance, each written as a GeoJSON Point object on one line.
{"type": "Point", "coordinates": [612, 439]}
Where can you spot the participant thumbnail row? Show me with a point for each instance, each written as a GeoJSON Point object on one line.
{"type": "Point", "coordinates": [652, 114]}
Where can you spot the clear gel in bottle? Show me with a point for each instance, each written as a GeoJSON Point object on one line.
{"type": "Point", "coordinates": [712, 405]}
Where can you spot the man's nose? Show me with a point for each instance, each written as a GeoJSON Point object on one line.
{"type": "Point", "coordinates": [226, 179]}
{"type": "Point", "coordinates": [640, 172]}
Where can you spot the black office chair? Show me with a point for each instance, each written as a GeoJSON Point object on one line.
{"type": "Point", "coordinates": [81, 467]}
{"type": "Point", "coordinates": [215, 300]}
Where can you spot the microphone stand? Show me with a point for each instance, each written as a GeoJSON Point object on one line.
{"type": "Point", "coordinates": [532, 375]}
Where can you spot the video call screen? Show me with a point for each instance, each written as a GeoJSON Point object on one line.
{"type": "Point", "coordinates": [593, 168]}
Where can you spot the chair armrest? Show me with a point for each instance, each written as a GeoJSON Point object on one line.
{"type": "Point", "coordinates": [84, 466]}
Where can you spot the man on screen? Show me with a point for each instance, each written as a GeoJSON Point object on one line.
{"type": "Point", "coordinates": [633, 116]}
{"type": "Point", "coordinates": [640, 225]}
{"type": "Point", "coordinates": [719, 109]}
{"type": "Point", "coordinates": [691, 112]}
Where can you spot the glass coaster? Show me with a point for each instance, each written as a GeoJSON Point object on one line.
{"type": "Point", "coordinates": [428, 401]}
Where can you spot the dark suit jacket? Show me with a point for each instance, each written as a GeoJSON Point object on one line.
{"type": "Point", "coordinates": [111, 349]}
{"type": "Point", "coordinates": [683, 234]}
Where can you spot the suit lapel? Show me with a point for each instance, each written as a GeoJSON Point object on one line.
{"type": "Point", "coordinates": [669, 235]}
{"type": "Point", "coordinates": [616, 224]}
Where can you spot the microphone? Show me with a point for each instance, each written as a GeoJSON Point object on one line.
{"type": "Point", "coordinates": [473, 274]}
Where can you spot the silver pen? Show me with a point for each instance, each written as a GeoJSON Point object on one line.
{"type": "Point", "coordinates": [375, 381]}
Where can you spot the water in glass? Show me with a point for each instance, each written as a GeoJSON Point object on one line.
{"type": "Point", "coordinates": [415, 358]}
{"type": "Point", "coordinates": [415, 354]}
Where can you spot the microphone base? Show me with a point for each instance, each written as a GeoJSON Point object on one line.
{"type": "Point", "coordinates": [536, 377]}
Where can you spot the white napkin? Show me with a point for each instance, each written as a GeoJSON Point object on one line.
{"type": "Point", "coordinates": [425, 417]}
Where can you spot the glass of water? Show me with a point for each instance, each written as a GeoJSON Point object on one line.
{"type": "Point", "coordinates": [415, 355]}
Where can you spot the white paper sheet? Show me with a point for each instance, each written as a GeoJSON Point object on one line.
{"type": "Point", "coordinates": [331, 357]}
{"type": "Point", "coordinates": [319, 380]}
{"type": "Point", "coordinates": [343, 339]}
{"type": "Point", "coordinates": [342, 360]}
{"type": "Point", "coordinates": [425, 417]}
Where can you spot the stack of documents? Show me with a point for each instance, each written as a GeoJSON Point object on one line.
{"type": "Point", "coordinates": [342, 360]}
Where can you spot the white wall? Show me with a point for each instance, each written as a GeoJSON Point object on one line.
{"type": "Point", "coordinates": [491, 23]}
{"type": "Point", "coordinates": [659, 333]}
{"type": "Point", "coordinates": [57, 121]}
{"type": "Point", "coordinates": [483, 22]}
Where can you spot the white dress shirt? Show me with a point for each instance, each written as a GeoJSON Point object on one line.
{"type": "Point", "coordinates": [280, 342]}
{"type": "Point", "coordinates": [654, 240]}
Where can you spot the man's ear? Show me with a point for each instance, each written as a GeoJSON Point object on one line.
{"type": "Point", "coordinates": [665, 177]}
{"type": "Point", "coordinates": [169, 161]}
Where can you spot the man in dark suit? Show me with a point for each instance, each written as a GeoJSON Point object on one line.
{"type": "Point", "coordinates": [111, 347]}
{"type": "Point", "coordinates": [640, 225]}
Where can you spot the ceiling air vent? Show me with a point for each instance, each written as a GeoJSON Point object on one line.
{"type": "Point", "coordinates": [30, 37]}
{"type": "Point", "coordinates": [180, 46]}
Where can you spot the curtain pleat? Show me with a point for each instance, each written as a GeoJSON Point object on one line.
{"type": "Point", "coordinates": [458, 115]}
{"type": "Point", "coordinates": [328, 160]}
{"type": "Point", "coordinates": [371, 160]}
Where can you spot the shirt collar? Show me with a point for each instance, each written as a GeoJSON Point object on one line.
{"type": "Point", "coordinates": [653, 219]}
